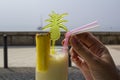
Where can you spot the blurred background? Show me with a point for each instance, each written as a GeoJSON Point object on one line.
{"type": "Point", "coordinates": [30, 15]}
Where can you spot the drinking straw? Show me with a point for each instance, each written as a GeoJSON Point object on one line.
{"type": "Point", "coordinates": [78, 30]}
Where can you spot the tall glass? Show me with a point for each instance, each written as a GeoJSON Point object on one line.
{"type": "Point", "coordinates": [51, 66]}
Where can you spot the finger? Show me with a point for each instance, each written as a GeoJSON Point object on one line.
{"type": "Point", "coordinates": [63, 41]}
{"type": "Point", "coordinates": [75, 58]}
{"type": "Point", "coordinates": [107, 57]}
{"type": "Point", "coordinates": [91, 42]}
{"type": "Point", "coordinates": [81, 50]}
{"type": "Point", "coordinates": [79, 62]}
{"type": "Point", "coordinates": [88, 39]}
{"type": "Point", "coordinates": [74, 54]}
{"type": "Point", "coordinates": [98, 50]}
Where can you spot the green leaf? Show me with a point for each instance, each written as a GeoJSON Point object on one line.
{"type": "Point", "coordinates": [61, 21]}
{"type": "Point", "coordinates": [63, 27]}
{"type": "Point", "coordinates": [47, 26]}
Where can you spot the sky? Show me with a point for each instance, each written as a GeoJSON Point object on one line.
{"type": "Point", "coordinates": [28, 15]}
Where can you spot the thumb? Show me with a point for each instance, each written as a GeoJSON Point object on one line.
{"type": "Point", "coordinates": [82, 50]}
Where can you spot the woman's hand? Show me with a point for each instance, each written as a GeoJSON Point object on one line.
{"type": "Point", "coordinates": [92, 57]}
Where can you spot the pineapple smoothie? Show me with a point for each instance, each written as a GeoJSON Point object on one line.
{"type": "Point", "coordinates": [57, 68]}
{"type": "Point", "coordinates": [51, 64]}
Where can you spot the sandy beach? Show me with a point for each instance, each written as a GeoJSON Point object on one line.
{"type": "Point", "coordinates": [21, 63]}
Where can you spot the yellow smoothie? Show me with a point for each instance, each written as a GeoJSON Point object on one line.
{"type": "Point", "coordinates": [57, 68]}
{"type": "Point", "coordinates": [50, 66]}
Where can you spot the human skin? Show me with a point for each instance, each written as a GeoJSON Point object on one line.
{"type": "Point", "coordinates": [92, 57]}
